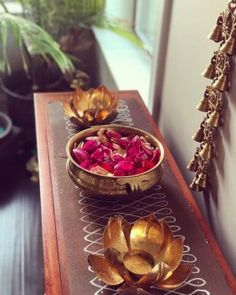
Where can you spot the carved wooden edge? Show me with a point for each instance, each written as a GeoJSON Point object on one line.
{"type": "Point", "coordinates": [228, 274]}
{"type": "Point", "coordinates": [53, 275]}
{"type": "Point", "coordinates": [55, 278]}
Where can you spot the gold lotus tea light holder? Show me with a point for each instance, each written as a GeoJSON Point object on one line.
{"type": "Point", "coordinates": [92, 107]}
{"type": "Point", "coordinates": [139, 256]}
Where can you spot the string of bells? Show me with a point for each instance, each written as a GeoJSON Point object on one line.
{"type": "Point", "coordinates": [212, 102]}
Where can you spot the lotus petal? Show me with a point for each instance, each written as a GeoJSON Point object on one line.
{"type": "Point", "coordinates": [89, 115]}
{"type": "Point", "coordinates": [112, 115]}
{"type": "Point", "coordinates": [101, 115]}
{"type": "Point", "coordinates": [113, 103]}
{"type": "Point", "coordinates": [138, 262]}
{"type": "Point", "coordinates": [178, 277]}
{"type": "Point", "coordinates": [81, 100]}
{"type": "Point", "coordinates": [116, 234]}
{"type": "Point", "coordinates": [146, 234]}
{"type": "Point", "coordinates": [153, 276]}
{"type": "Point", "coordinates": [104, 271]}
{"type": "Point", "coordinates": [167, 236]}
{"type": "Point", "coordinates": [172, 254]}
{"type": "Point", "coordinates": [114, 258]}
{"type": "Point", "coordinates": [68, 111]}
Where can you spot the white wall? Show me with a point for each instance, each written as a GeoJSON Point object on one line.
{"type": "Point", "coordinates": [188, 53]}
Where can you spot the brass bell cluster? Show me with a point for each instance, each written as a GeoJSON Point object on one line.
{"type": "Point", "coordinates": [212, 102]}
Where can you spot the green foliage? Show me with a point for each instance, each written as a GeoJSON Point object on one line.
{"type": "Point", "coordinates": [56, 16]}
{"type": "Point", "coordinates": [32, 40]}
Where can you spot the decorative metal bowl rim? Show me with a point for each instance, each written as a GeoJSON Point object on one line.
{"type": "Point", "coordinates": [8, 125]}
{"type": "Point", "coordinates": [97, 127]}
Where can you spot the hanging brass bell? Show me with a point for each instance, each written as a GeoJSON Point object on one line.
{"type": "Point", "coordinates": [194, 186]}
{"type": "Point", "coordinates": [221, 83]}
{"type": "Point", "coordinates": [207, 151]}
{"type": "Point", "coordinates": [214, 119]}
{"type": "Point", "coordinates": [201, 181]}
{"type": "Point", "coordinates": [193, 165]}
{"type": "Point", "coordinates": [199, 135]}
{"type": "Point", "coordinates": [230, 46]}
{"type": "Point", "coordinates": [203, 105]}
{"type": "Point", "coordinates": [210, 71]}
{"type": "Point", "coordinates": [217, 33]}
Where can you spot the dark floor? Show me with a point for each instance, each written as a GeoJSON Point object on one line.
{"type": "Point", "coordinates": [21, 258]}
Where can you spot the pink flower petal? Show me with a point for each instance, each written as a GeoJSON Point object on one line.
{"type": "Point", "coordinates": [147, 151]}
{"type": "Point", "coordinates": [80, 155]}
{"type": "Point", "coordinates": [124, 142]}
{"type": "Point", "coordinates": [85, 164]}
{"type": "Point", "coordinates": [98, 155]}
{"type": "Point", "coordinates": [156, 156]}
{"type": "Point", "coordinates": [117, 157]}
{"type": "Point", "coordinates": [112, 134]}
{"type": "Point", "coordinates": [107, 167]}
{"type": "Point", "coordinates": [99, 170]}
{"type": "Point", "coordinates": [120, 173]}
{"type": "Point", "coordinates": [148, 164]}
{"type": "Point", "coordinates": [91, 145]}
{"type": "Point", "coordinates": [136, 140]}
{"type": "Point", "coordinates": [124, 166]}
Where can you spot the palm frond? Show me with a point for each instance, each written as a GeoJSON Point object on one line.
{"type": "Point", "coordinates": [33, 39]}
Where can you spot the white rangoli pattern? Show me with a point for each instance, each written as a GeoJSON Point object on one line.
{"type": "Point", "coordinates": [95, 214]}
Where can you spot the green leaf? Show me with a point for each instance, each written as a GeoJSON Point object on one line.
{"type": "Point", "coordinates": [33, 39]}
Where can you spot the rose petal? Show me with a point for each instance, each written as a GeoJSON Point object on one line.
{"type": "Point", "coordinates": [91, 145]}
{"type": "Point", "coordinates": [124, 165]}
{"type": "Point", "coordinates": [120, 173]}
{"type": "Point", "coordinates": [80, 155]}
{"type": "Point", "coordinates": [98, 155]}
{"type": "Point", "coordinates": [99, 170]}
{"type": "Point", "coordinates": [156, 156]}
{"type": "Point", "coordinates": [136, 140]}
{"type": "Point", "coordinates": [133, 150]}
{"type": "Point", "coordinates": [85, 164]}
{"type": "Point", "coordinates": [117, 157]}
{"type": "Point", "coordinates": [124, 142]}
{"type": "Point", "coordinates": [148, 151]}
{"type": "Point", "coordinates": [141, 156]}
{"type": "Point", "coordinates": [107, 167]}
{"type": "Point", "coordinates": [148, 164]}
{"type": "Point", "coordinates": [112, 134]}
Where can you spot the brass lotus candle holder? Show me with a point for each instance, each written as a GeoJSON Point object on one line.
{"type": "Point", "coordinates": [139, 256]}
{"type": "Point", "coordinates": [92, 107]}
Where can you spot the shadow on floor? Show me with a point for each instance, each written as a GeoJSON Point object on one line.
{"type": "Point", "coordinates": [21, 257]}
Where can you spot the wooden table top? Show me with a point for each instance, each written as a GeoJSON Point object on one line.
{"type": "Point", "coordinates": [57, 279]}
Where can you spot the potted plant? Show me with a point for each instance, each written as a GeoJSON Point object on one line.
{"type": "Point", "coordinates": [70, 23]}
{"type": "Point", "coordinates": [44, 64]}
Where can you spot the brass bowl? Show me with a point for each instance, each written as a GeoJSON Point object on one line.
{"type": "Point", "coordinates": [92, 107]}
{"type": "Point", "coordinates": [141, 255]}
{"type": "Point", "coordinates": [113, 185]}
